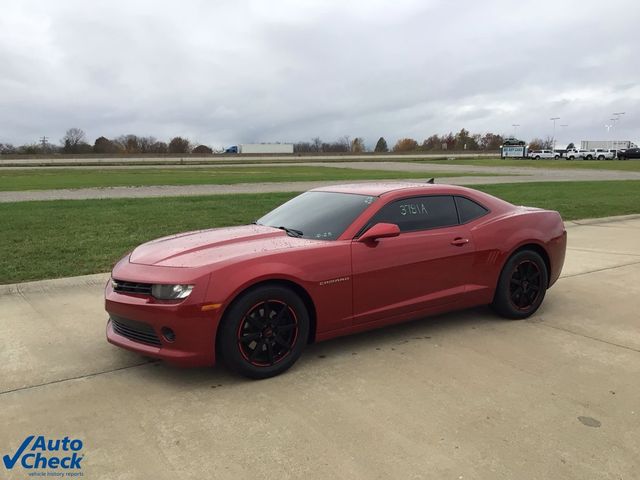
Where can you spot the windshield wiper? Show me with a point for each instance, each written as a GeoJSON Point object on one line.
{"type": "Point", "coordinates": [292, 232]}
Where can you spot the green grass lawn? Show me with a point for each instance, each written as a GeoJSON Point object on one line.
{"type": "Point", "coordinates": [50, 179]}
{"type": "Point", "coordinates": [61, 238]}
{"type": "Point", "coordinates": [625, 165]}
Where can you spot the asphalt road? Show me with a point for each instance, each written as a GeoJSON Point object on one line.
{"type": "Point", "coordinates": [414, 170]}
{"type": "Point", "coordinates": [460, 396]}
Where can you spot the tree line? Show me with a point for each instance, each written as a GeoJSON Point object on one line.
{"type": "Point", "coordinates": [74, 142]}
{"type": "Point", "coordinates": [462, 140]}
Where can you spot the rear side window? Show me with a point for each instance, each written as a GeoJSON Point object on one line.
{"type": "Point", "coordinates": [419, 213]}
{"type": "Point", "coordinates": [469, 210]}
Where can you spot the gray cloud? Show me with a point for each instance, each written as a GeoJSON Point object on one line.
{"type": "Point", "coordinates": [226, 72]}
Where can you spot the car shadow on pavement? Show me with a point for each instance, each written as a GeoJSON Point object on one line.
{"type": "Point", "coordinates": [386, 339]}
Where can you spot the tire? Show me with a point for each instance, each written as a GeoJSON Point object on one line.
{"type": "Point", "coordinates": [263, 332]}
{"type": "Point", "coordinates": [537, 157]}
{"type": "Point", "coordinates": [556, 157]}
{"type": "Point", "coordinates": [601, 157]}
{"type": "Point", "coordinates": [516, 300]}
{"type": "Point", "coordinates": [588, 157]}
{"type": "Point", "coordinates": [571, 157]}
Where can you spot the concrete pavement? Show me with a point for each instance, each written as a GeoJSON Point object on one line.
{"type": "Point", "coordinates": [461, 396]}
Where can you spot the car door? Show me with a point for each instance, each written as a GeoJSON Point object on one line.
{"type": "Point", "coordinates": [427, 265]}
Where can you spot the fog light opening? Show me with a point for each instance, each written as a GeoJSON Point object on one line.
{"type": "Point", "coordinates": [168, 334]}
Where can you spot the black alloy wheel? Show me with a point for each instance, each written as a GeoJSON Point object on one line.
{"type": "Point", "coordinates": [264, 331]}
{"type": "Point", "coordinates": [267, 333]}
{"type": "Point", "coordinates": [522, 285]}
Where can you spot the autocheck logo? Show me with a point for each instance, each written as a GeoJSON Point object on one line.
{"type": "Point", "coordinates": [41, 453]}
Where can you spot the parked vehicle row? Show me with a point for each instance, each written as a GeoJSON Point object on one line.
{"type": "Point", "coordinates": [585, 154]}
{"type": "Point", "coordinates": [595, 154]}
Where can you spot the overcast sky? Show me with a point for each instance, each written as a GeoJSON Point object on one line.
{"type": "Point", "coordinates": [225, 72]}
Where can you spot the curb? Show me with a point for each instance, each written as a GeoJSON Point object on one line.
{"type": "Point", "coordinates": [596, 221]}
{"type": "Point", "coordinates": [45, 286]}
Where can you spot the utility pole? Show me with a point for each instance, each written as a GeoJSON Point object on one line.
{"type": "Point", "coordinates": [554, 131]}
{"type": "Point", "coordinates": [43, 142]}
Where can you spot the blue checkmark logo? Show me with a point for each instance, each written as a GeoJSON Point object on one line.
{"type": "Point", "coordinates": [10, 462]}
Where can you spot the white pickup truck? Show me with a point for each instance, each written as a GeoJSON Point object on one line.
{"type": "Point", "coordinates": [574, 153]}
{"type": "Point", "coordinates": [538, 154]}
{"type": "Point", "coordinates": [604, 154]}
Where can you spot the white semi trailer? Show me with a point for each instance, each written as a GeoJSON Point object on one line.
{"type": "Point", "coordinates": [612, 144]}
{"type": "Point", "coordinates": [260, 148]}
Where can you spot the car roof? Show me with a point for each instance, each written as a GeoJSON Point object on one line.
{"type": "Point", "coordinates": [377, 189]}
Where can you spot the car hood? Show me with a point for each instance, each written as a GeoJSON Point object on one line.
{"type": "Point", "coordinates": [204, 247]}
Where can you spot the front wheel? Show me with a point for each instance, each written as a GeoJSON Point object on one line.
{"type": "Point", "coordinates": [537, 157]}
{"type": "Point", "coordinates": [556, 157]}
{"type": "Point", "coordinates": [522, 285]}
{"type": "Point", "coordinates": [601, 157]}
{"type": "Point", "coordinates": [264, 332]}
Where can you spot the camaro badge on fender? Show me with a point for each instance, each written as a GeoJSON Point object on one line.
{"type": "Point", "coordinates": [334, 280]}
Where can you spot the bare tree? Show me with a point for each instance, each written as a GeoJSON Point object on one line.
{"type": "Point", "coordinates": [7, 148]}
{"type": "Point", "coordinates": [146, 144]}
{"type": "Point", "coordinates": [73, 140]}
{"type": "Point", "coordinates": [159, 147]}
{"type": "Point", "coordinates": [179, 145]}
{"type": "Point", "coordinates": [536, 144]}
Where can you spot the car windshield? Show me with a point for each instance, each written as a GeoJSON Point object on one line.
{"type": "Point", "coordinates": [318, 215]}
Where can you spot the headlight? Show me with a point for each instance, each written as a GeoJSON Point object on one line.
{"type": "Point", "coordinates": [171, 292]}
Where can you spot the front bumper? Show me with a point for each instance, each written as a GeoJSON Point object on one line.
{"type": "Point", "coordinates": [139, 324]}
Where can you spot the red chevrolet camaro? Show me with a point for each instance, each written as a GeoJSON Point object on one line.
{"type": "Point", "coordinates": [330, 262]}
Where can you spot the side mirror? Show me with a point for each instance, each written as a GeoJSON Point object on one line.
{"type": "Point", "coordinates": [380, 230]}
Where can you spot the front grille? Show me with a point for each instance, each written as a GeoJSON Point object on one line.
{"type": "Point", "coordinates": [131, 287]}
{"type": "Point", "coordinates": [136, 331]}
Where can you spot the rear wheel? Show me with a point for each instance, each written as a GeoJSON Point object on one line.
{"type": "Point", "coordinates": [537, 157]}
{"type": "Point", "coordinates": [264, 332]}
{"type": "Point", "coordinates": [556, 157]}
{"type": "Point", "coordinates": [522, 285]}
{"type": "Point", "coordinates": [601, 157]}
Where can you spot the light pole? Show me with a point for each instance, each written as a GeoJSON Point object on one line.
{"type": "Point", "coordinates": [554, 131]}
{"type": "Point", "coordinates": [515, 129]}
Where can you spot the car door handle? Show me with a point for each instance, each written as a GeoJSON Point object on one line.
{"type": "Point", "coordinates": [459, 241]}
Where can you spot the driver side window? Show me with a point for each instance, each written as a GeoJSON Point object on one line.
{"type": "Point", "coordinates": [419, 213]}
